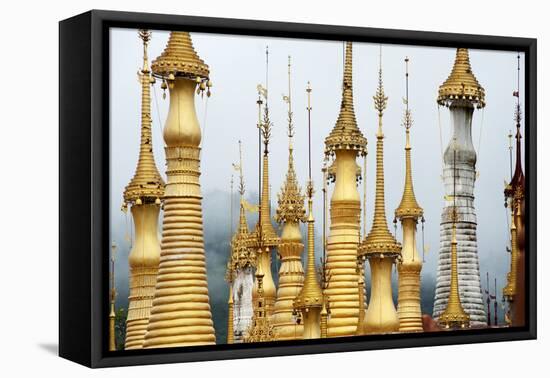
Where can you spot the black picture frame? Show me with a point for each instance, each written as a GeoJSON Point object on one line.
{"type": "Point", "coordinates": [84, 186]}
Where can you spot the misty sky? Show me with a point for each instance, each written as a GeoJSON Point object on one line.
{"type": "Point", "coordinates": [237, 65]}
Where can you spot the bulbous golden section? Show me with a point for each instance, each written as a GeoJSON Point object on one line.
{"type": "Point", "coordinates": [461, 83]}
{"type": "Point", "coordinates": [144, 262]}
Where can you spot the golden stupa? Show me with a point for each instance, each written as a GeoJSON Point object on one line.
{"type": "Point", "coordinates": [344, 143]}
{"type": "Point", "coordinates": [310, 301]}
{"type": "Point", "coordinates": [380, 246]}
{"type": "Point", "coordinates": [290, 213]}
{"type": "Point", "coordinates": [409, 212]}
{"type": "Point", "coordinates": [143, 195]}
{"type": "Point", "coordinates": [181, 313]}
{"type": "Point", "coordinates": [514, 291]}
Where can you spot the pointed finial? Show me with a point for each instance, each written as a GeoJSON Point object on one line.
{"type": "Point", "coordinates": [409, 206]}
{"type": "Point", "coordinates": [517, 114]}
{"type": "Point", "coordinates": [266, 71]}
{"type": "Point", "coordinates": [380, 99]}
{"type": "Point", "coordinates": [241, 177]}
{"type": "Point", "coordinates": [145, 36]}
{"type": "Point", "coordinates": [407, 119]}
{"type": "Point", "coordinates": [288, 99]}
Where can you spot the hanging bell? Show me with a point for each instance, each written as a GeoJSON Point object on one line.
{"type": "Point", "coordinates": [138, 201]}
{"type": "Point", "coordinates": [163, 86]}
{"type": "Point", "coordinates": [157, 201]}
{"type": "Point", "coordinates": [203, 86]}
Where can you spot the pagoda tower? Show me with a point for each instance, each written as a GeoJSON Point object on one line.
{"type": "Point", "coordinates": [264, 239]}
{"type": "Point", "coordinates": [343, 144]}
{"type": "Point", "coordinates": [461, 92]}
{"type": "Point", "coordinates": [380, 246]}
{"type": "Point", "coordinates": [260, 329]}
{"type": "Point", "coordinates": [242, 265]}
{"type": "Point", "coordinates": [310, 301]}
{"type": "Point", "coordinates": [409, 212]}
{"type": "Point", "coordinates": [143, 195]}
{"type": "Point", "coordinates": [290, 213]}
{"type": "Point", "coordinates": [514, 193]}
{"type": "Point", "coordinates": [181, 315]}
{"type": "Point", "coordinates": [454, 316]}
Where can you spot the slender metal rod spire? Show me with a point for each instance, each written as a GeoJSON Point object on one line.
{"type": "Point", "coordinates": [266, 72]}
{"type": "Point", "coordinates": [308, 90]}
{"type": "Point", "coordinates": [259, 125]}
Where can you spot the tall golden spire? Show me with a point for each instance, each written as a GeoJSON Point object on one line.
{"type": "Point", "coordinates": [454, 315]}
{"type": "Point", "coordinates": [514, 194]}
{"type": "Point", "coordinates": [408, 211]}
{"type": "Point", "coordinates": [290, 213]}
{"type": "Point", "coordinates": [181, 314]}
{"type": "Point", "coordinates": [264, 238]}
{"type": "Point", "coordinates": [380, 241]}
{"type": "Point", "coordinates": [342, 145]}
{"type": "Point", "coordinates": [461, 83]}
{"type": "Point", "coordinates": [143, 194]}
{"type": "Point", "coordinates": [408, 207]}
{"type": "Point", "coordinates": [147, 185]}
{"type": "Point", "coordinates": [380, 246]}
{"type": "Point", "coordinates": [310, 299]}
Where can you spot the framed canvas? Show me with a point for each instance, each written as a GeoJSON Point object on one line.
{"type": "Point", "coordinates": [263, 188]}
